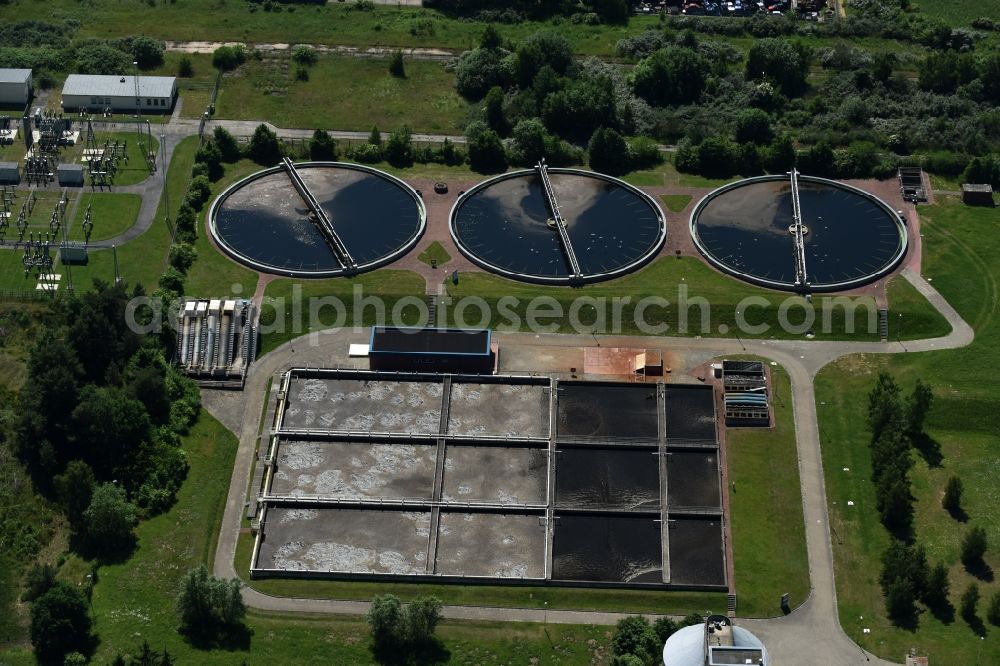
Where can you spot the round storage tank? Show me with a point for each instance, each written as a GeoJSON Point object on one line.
{"type": "Point", "coordinates": [506, 225]}
{"type": "Point", "coordinates": [850, 237]}
{"type": "Point", "coordinates": [265, 221]}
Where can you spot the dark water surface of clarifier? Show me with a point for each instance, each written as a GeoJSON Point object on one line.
{"type": "Point", "coordinates": [504, 225]}
{"type": "Point", "coordinates": [266, 221]}
{"type": "Point", "coordinates": [690, 413]}
{"type": "Point", "coordinates": [607, 548]}
{"type": "Point", "coordinates": [619, 411]}
{"type": "Point", "coordinates": [607, 479]}
{"type": "Point", "coordinates": [851, 237]}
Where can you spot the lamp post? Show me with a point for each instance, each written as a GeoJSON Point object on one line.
{"type": "Point", "coordinates": [135, 65]}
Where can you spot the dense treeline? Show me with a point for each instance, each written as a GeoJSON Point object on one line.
{"type": "Point", "coordinates": [731, 112]}
{"type": "Point", "coordinates": [48, 48]}
{"type": "Point", "coordinates": [515, 11]}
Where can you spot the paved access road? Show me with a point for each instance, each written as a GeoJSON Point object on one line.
{"type": "Point", "coordinates": [810, 634]}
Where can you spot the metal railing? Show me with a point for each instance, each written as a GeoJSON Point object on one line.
{"type": "Point", "coordinates": [798, 233]}
{"type": "Point", "coordinates": [322, 219]}
{"type": "Point", "coordinates": [560, 223]}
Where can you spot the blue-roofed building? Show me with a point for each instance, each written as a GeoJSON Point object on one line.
{"type": "Point", "coordinates": [95, 93]}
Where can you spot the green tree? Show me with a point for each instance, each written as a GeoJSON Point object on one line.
{"type": "Point", "coordinates": [74, 489]}
{"type": "Point", "coordinates": [171, 281]}
{"type": "Point", "coordinates": [184, 67]}
{"type": "Point", "coordinates": [486, 151]}
{"type": "Point", "coordinates": [39, 580]}
{"type": "Point", "coordinates": [716, 157]}
{"type": "Point", "coordinates": [109, 427]}
{"type": "Point", "coordinates": [538, 50]}
{"type": "Point", "coordinates": [952, 500]}
{"type": "Point", "coordinates": [228, 58]}
{"type": "Point", "coordinates": [186, 223]}
{"type": "Point", "coordinates": [885, 411]}
{"type": "Point", "coordinates": [780, 155]}
{"type": "Point", "coordinates": [917, 407]}
{"type": "Point", "coordinates": [109, 520]}
{"type": "Point", "coordinates": [226, 144]}
{"type": "Point", "coordinates": [206, 604]}
{"type": "Point", "coordinates": [264, 146]}
{"type": "Point", "coordinates": [322, 147]}
{"type": "Point", "coordinates": [974, 546]}
{"type": "Point", "coordinates": [209, 154]}
{"type": "Point", "coordinates": [148, 52]}
{"type": "Point", "coordinates": [60, 623]}
{"type": "Point", "coordinates": [491, 38]}
{"type": "Point", "coordinates": [102, 59]}
{"type": "Point", "coordinates": [182, 256]}
{"type": "Point", "coordinates": [634, 636]}
{"type": "Point", "coordinates": [671, 76]}
{"type": "Point", "coordinates": [613, 12]}
{"type": "Point", "coordinates": [396, 67]}
{"type": "Point", "coordinates": [993, 610]}
{"type": "Point", "coordinates": [305, 55]}
{"type": "Point", "coordinates": [398, 149]}
{"type": "Point", "coordinates": [385, 617]}
{"type": "Point", "coordinates": [421, 617]}
{"type": "Point", "coordinates": [900, 602]}
{"type": "Point", "coordinates": [493, 107]}
{"type": "Point", "coordinates": [664, 628]}
{"type": "Point", "coordinates": [970, 600]}
{"type": "Point", "coordinates": [375, 137]}
{"type": "Point", "coordinates": [626, 660]}
{"type": "Point", "coordinates": [779, 61]}
{"type": "Point", "coordinates": [938, 587]}
{"type": "Point", "coordinates": [608, 152]}
{"type": "Point", "coordinates": [753, 126]}
{"type": "Point", "coordinates": [479, 70]}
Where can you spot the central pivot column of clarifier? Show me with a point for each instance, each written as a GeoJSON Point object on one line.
{"type": "Point", "coordinates": [322, 219]}
{"type": "Point", "coordinates": [799, 232]}
{"type": "Point", "coordinates": [560, 223]}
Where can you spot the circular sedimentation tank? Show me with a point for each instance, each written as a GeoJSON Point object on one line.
{"type": "Point", "coordinates": [507, 226]}
{"type": "Point", "coordinates": [849, 237]}
{"type": "Point", "coordinates": [264, 221]}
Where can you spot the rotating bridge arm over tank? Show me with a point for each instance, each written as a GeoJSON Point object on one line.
{"type": "Point", "coordinates": [798, 233]}
{"type": "Point", "coordinates": [560, 223]}
{"type": "Point", "coordinates": [322, 219]}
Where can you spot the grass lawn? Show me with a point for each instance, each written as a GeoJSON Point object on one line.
{"type": "Point", "coordinates": [667, 175]}
{"type": "Point", "coordinates": [769, 541]}
{"type": "Point", "coordinates": [333, 23]}
{"type": "Point", "coordinates": [962, 255]}
{"type": "Point", "coordinates": [345, 93]}
{"type": "Point", "coordinates": [668, 278]}
{"type": "Point", "coordinates": [213, 273]}
{"type": "Point", "coordinates": [959, 12]}
{"type": "Point", "coordinates": [388, 285]}
{"type": "Point", "coordinates": [111, 213]}
{"type": "Point", "coordinates": [675, 203]}
{"type": "Point", "coordinates": [435, 251]}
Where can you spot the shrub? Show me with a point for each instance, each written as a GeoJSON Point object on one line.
{"type": "Point", "coordinates": [148, 52]}
{"type": "Point", "coordinates": [228, 58]}
{"type": "Point", "coordinates": [184, 67]}
{"type": "Point", "coordinates": [396, 67]}
{"type": "Point", "coordinates": [305, 55]}
{"type": "Point", "coordinates": [608, 152]}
